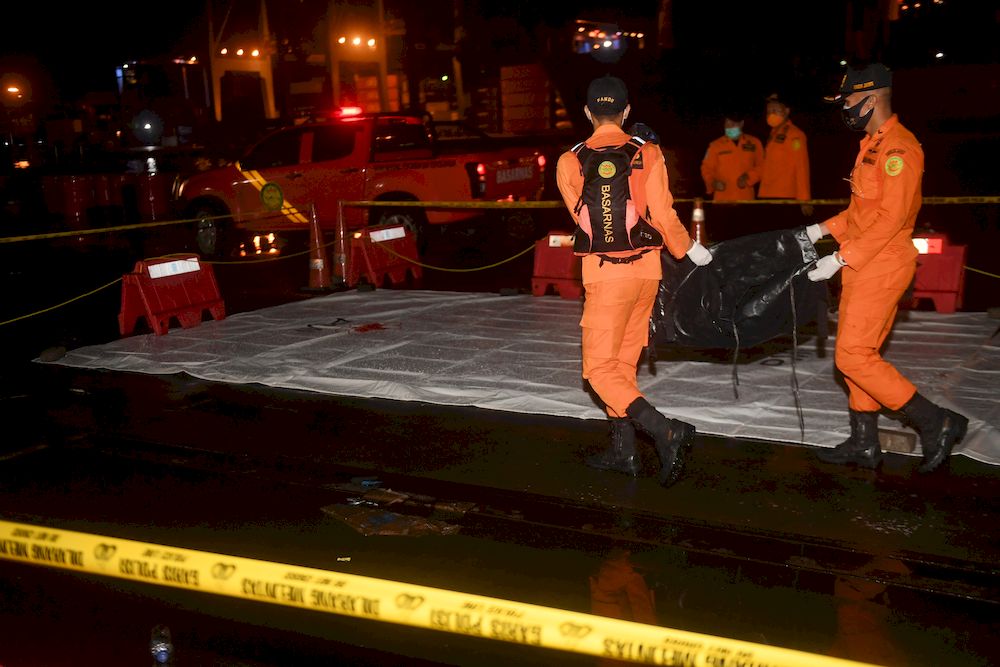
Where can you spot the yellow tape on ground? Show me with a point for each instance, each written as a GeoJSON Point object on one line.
{"type": "Point", "coordinates": [388, 601]}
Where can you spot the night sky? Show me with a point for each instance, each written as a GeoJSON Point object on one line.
{"type": "Point", "coordinates": [80, 45]}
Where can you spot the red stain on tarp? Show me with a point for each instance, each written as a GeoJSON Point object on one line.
{"type": "Point", "coordinates": [371, 326]}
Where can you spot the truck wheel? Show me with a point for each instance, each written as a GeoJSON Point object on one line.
{"type": "Point", "coordinates": [415, 222]}
{"type": "Point", "coordinates": [211, 231]}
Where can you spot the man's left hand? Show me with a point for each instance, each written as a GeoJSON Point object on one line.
{"type": "Point", "coordinates": [826, 268]}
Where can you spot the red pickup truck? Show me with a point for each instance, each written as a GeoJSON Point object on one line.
{"type": "Point", "coordinates": [289, 173]}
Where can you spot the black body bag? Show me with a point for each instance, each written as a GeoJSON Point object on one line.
{"type": "Point", "coordinates": [755, 289]}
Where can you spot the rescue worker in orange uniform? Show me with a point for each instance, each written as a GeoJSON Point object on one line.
{"type": "Point", "coordinates": [785, 174]}
{"type": "Point", "coordinates": [733, 162]}
{"type": "Point", "coordinates": [878, 260]}
{"type": "Point", "coordinates": [620, 289]}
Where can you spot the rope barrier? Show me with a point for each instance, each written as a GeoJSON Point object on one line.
{"type": "Point", "coordinates": [493, 205]}
{"type": "Point", "coordinates": [440, 268]}
{"type": "Point", "coordinates": [60, 305]}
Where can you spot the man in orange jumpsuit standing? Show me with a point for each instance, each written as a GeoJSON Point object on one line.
{"type": "Point", "coordinates": [732, 164]}
{"type": "Point", "coordinates": [621, 287]}
{"type": "Point", "coordinates": [785, 174]}
{"type": "Point", "coordinates": [878, 261]}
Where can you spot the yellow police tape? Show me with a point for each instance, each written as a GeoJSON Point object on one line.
{"type": "Point", "coordinates": [388, 601]}
{"type": "Point", "coordinates": [986, 199]}
{"type": "Point", "coordinates": [554, 204]}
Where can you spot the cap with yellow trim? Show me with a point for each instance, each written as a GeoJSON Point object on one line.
{"type": "Point", "coordinates": [872, 77]}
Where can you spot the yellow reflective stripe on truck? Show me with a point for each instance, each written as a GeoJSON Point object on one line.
{"type": "Point", "coordinates": [258, 181]}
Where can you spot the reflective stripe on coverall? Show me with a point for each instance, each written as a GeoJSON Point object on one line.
{"type": "Point", "coordinates": [726, 160]}
{"type": "Point", "coordinates": [785, 174]}
{"type": "Point", "coordinates": [875, 237]}
{"type": "Point", "coordinates": [619, 297]}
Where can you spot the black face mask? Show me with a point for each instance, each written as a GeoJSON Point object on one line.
{"type": "Point", "coordinates": [853, 118]}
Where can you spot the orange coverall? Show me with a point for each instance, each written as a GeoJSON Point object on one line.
{"type": "Point", "coordinates": [874, 234]}
{"type": "Point", "coordinates": [619, 297]}
{"type": "Point", "coordinates": [726, 160]}
{"type": "Point", "coordinates": [785, 174]}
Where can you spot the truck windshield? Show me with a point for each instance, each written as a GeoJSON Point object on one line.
{"type": "Point", "coordinates": [277, 150]}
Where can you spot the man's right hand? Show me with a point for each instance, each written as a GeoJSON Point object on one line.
{"type": "Point", "coordinates": [699, 254]}
{"type": "Point", "coordinates": [718, 186]}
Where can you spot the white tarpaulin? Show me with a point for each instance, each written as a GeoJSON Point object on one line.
{"type": "Point", "coordinates": [522, 354]}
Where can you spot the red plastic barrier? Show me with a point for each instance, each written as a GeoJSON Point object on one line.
{"type": "Point", "coordinates": [557, 267]}
{"type": "Point", "coordinates": [367, 258]}
{"type": "Point", "coordinates": [153, 194]}
{"type": "Point", "coordinates": [52, 192]}
{"type": "Point", "coordinates": [170, 287]}
{"type": "Point", "coordinates": [108, 189]}
{"type": "Point", "coordinates": [79, 198]}
{"type": "Point", "coordinates": [940, 272]}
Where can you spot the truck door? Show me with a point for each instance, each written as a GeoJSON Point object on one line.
{"type": "Point", "coordinates": [270, 194]}
{"type": "Point", "coordinates": [335, 171]}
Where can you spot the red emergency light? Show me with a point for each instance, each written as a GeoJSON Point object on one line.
{"type": "Point", "coordinates": [348, 112]}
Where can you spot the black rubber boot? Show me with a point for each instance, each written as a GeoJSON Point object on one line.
{"type": "Point", "coordinates": [862, 448]}
{"type": "Point", "coordinates": [620, 456]}
{"type": "Point", "coordinates": [671, 437]}
{"type": "Point", "coordinates": [940, 429]}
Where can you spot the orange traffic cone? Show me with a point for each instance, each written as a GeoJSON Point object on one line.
{"type": "Point", "coordinates": [697, 230]}
{"type": "Point", "coordinates": [319, 267]}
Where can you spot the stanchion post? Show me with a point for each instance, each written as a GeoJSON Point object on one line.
{"type": "Point", "coordinates": [319, 268]}
{"type": "Point", "coordinates": [340, 248]}
{"type": "Point", "coordinates": [697, 230]}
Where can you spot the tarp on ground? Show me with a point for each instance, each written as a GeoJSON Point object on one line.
{"type": "Point", "coordinates": [522, 354]}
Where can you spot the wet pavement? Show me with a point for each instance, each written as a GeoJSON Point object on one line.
{"type": "Point", "coordinates": [758, 541]}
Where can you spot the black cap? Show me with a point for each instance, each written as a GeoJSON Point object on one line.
{"type": "Point", "coordinates": [779, 98]}
{"type": "Point", "coordinates": [872, 77]}
{"type": "Point", "coordinates": [607, 96]}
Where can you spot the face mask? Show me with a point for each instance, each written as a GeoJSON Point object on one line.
{"type": "Point", "coordinates": [733, 133]}
{"type": "Point", "coordinates": [853, 118]}
{"type": "Point", "coordinates": [774, 119]}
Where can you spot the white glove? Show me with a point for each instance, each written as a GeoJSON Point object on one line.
{"type": "Point", "coordinates": [699, 254]}
{"type": "Point", "coordinates": [814, 233]}
{"type": "Point", "coordinates": [826, 268]}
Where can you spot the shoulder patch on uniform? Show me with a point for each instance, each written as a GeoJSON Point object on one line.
{"type": "Point", "coordinates": [894, 165]}
{"type": "Point", "coordinates": [796, 144]}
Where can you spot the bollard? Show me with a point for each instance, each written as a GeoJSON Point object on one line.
{"type": "Point", "coordinates": [340, 247]}
{"type": "Point", "coordinates": [697, 230]}
{"type": "Point", "coordinates": [319, 267]}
